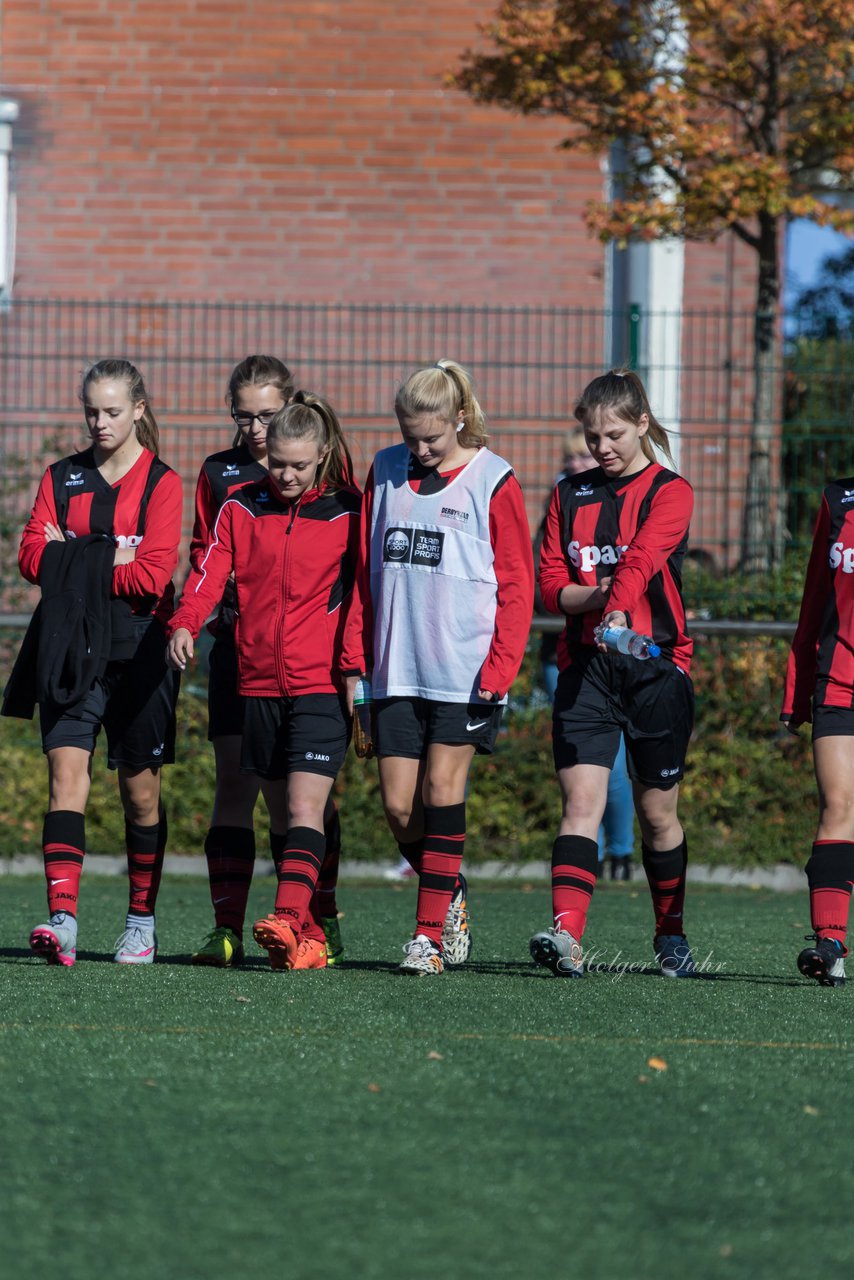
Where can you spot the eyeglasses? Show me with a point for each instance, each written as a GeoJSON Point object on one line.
{"type": "Point", "coordinates": [245, 420]}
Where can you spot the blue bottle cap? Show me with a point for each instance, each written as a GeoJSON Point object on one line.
{"type": "Point", "coordinates": [654, 651]}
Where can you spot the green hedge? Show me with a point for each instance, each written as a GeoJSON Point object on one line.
{"type": "Point", "coordinates": [748, 796]}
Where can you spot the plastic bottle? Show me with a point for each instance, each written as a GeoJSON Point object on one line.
{"type": "Point", "coordinates": [363, 729]}
{"type": "Point", "coordinates": [624, 640]}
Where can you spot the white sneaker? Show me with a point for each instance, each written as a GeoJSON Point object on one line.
{"type": "Point", "coordinates": [137, 945]}
{"type": "Point", "coordinates": [557, 950]}
{"type": "Point", "coordinates": [423, 956]}
{"type": "Point", "coordinates": [456, 934]}
{"type": "Point", "coordinates": [56, 941]}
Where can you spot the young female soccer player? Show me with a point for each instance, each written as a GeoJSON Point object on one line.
{"type": "Point", "coordinates": [290, 541]}
{"type": "Point", "coordinates": [820, 687]}
{"type": "Point", "coordinates": [613, 548]}
{"type": "Point", "coordinates": [448, 549]}
{"type": "Point", "coordinates": [259, 387]}
{"type": "Point", "coordinates": [119, 489]}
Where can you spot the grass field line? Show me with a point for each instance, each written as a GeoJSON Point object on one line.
{"type": "Point", "coordinates": [432, 1035]}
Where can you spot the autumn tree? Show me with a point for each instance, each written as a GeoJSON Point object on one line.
{"type": "Point", "coordinates": [733, 116]}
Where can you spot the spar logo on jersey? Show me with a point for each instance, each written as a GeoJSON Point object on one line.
{"type": "Point", "coordinates": [128, 540]}
{"type": "Point", "coordinates": [75, 478]}
{"type": "Point", "coordinates": [414, 546]}
{"type": "Point", "coordinates": [841, 557]}
{"type": "Point", "coordinates": [587, 558]}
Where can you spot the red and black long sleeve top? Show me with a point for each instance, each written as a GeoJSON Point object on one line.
{"type": "Point", "coordinates": [634, 530]}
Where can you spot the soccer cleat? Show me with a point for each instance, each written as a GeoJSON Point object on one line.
{"type": "Point", "coordinates": [334, 945]}
{"type": "Point", "coordinates": [674, 956]}
{"type": "Point", "coordinates": [275, 936]}
{"type": "Point", "coordinates": [456, 934]}
{"type": "Point", "coordinates": [311, 954]}
{"type": "Point", "coordinates": [423, 957]}
{"type": "Point", "coordinates": [557, 950]}
{"type": "Point", "coordinates": [137, 945]}
{"type": "Point", "coordinates": [221, 949]}
{"type": "Point", "coordinates": [56, 941]}
{"type": "Point", "coordinates": [825, 961]}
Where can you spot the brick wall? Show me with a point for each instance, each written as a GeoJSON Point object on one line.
{"type": "Point", "coordinates": [212, 149]}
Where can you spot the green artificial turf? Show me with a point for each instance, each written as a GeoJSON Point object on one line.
{"type": "Point", "coordinates": [182, 1122]}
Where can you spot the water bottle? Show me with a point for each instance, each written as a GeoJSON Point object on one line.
{"type": "Point", "coordinates": [363, 728]}
{"type": "Point", "coordinates": [624, 640]}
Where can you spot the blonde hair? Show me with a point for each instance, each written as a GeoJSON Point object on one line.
{"type": "Point", "coordinates": [147, 431]}
{"type": "Point", "coordinates": [444, 389]}
{"type": "Point", "coordinates": [308, 417]}
{"type": "Point", "coordinates": [621, 393]}
{"type": "Point", "coordinates": [258, 371]}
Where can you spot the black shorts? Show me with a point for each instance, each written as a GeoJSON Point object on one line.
{"type": "Point", "coordinates": [225, 704]}
{"type": "Point", "coordinates": [407, 726]}
{"type": "Point", "coordinates": [308, 733]}
{"type": "Point", "coordinates": [603, 695]}
{"type": "Point", "coordinates": [832, 722]}
{"type": "Point", "coordinates": [135, 702]}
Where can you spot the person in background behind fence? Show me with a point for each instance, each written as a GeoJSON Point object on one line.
{"type": "Point", "coordinates": [617, 831]}
{"type": "Point", "coordinates": [448, 568]}
{"type": "Point", "coordinates": [259, 387]}
{"type": "Point", "coordinates": [820, 687]}
{"type": "Point", "coordinates": [119, 495]}
{"type": "Point", "coordinates": [612, 551]}
{"type": "Point", "coordinates": [290, 541]}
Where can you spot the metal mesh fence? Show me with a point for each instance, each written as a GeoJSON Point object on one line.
{"type": "Point", "coordinates": [529, 365]}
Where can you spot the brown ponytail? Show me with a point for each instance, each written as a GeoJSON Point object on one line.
{"type": "Point", "coordinates": [147, 431]}
{"type": "Point", "coordinates": [258, 371]}
{"type": "Point", "coordinates": [621, 393]}
{"type": "Point", "coordinates": [308, 417]}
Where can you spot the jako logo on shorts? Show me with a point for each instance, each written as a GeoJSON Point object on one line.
{"type": "Point", "coordinates": [586, 558]}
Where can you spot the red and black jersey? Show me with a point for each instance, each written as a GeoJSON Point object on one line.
{"type": "Point", "coordinates": [220, 475]}
{"type": "Point", "coordinates": [634, 530]}
{"type": "Point", "coordinates": [142, 511]}
{"type": "Point", "coordinates": [298, 627]}
{"type": "Point", "coordinates": [821, 661]}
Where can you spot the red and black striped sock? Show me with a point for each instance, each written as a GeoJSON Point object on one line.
{"type": "Point", "coordinates": [575, 862]}
{"type": "Point", "coordinates": [665, 873]}
{"type": "Point", "coordinates": [830, 872]}
{"type": "Point", "coordinates": [298, 855]}
{"type": "Point", "coordinates": [230, 852]}
{"type": "Point", "coordinates": [328, 880]}
{"type": "Point", "coordinates": [145, 849]}
{"type": "Point", "coordinates": [443, 847]}
{"type": "Point", "coordinates": [64, 847]}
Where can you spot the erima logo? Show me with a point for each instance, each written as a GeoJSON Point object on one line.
{"type": "Point", "coordinates": [453, 514]}
{"type": "Point", "coordinates": [841, 556]}
{"type": "Point", "coordinates": [263, 496]}
{"type": "Point", "coordinates": [414, 546]}
{"type": "Point", "coordinates": [586, 558]}
{"type": "Point", "coordinates": [584, 490]}
{"type": "Point", "coordinates": [76, 477]}
{"type": "Point", "coordinates": [849, 496]}
{"type": "Point", "coordinates": [128, 540]}
{"type": "Point", "coordinates": [313, 755]}
{"type": "Point", "coordinates": [231, 470]}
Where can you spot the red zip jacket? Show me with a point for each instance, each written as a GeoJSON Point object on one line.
{"type": "Point", "coordinates": [136, 514]}
{"type": "Point", "coordinates": [298, 627]}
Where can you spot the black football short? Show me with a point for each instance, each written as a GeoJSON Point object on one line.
{"type": "Point", "coordinates": [225, 704]}
{"type": "Point", "coordinates": [407, 726]}
{"type": "Point", "coordinates": [603, 695]}
{"type": "Point", "coordinates": [308, 733]}
{"type": "Point", "coordinates": [135, 702]}
{"type": "Point", "coordinates": [832, 722]}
